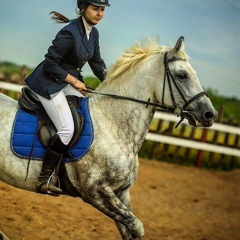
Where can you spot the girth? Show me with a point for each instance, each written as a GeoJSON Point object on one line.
{"type": "Point", "coordinates": [46, 129]}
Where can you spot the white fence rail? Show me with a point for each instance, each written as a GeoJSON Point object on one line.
{"type": "Point", "coordinates": [194, 144]}
{"type": "Point", "coordinates": [172, 140]}
{"type": "Point", "coordinates": [11, 86]}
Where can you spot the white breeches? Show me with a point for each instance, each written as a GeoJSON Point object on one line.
{"type": "Point", "coordinates": [59, 112]}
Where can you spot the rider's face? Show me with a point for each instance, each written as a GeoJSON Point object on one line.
{"type": "Point", "coordinates": [94, 14]}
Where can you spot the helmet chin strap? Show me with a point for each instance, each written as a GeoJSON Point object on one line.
{"type": "Point", "coordinates": [91, 24]}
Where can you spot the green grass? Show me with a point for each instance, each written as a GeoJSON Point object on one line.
{"type": "Point", "coordinates": [92, 82]}
{"type": "Point", "coordinates": [231, 105]}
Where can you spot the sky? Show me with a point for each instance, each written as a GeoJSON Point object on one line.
{"type": "Point", "coordinates": [211, 29]}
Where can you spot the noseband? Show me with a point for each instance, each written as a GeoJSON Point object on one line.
{"type": "Point", "coordinates": [180, 111]}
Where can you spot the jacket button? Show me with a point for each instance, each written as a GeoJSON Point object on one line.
{"type": "Point", "coordinates": [84, 62]}
{"type": "Point", "coordinates": [88, 54]}
{"type": "Point", "coordinates": [78, 69]}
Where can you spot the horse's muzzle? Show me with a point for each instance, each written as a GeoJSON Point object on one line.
{"type": "Point", "coordinates": [206, 120]}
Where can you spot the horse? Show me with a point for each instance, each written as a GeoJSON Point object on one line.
{"type": "Point", "coordinates": [145, 77]}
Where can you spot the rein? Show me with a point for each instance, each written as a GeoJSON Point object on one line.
{"type": "Point", "coordinates": [176, 109]}
{"type": "Point", "coordinates": [147, 103]}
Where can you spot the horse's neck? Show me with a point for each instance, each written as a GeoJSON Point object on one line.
{"type": "Point", "coordinates": [131, 118]}
{"type": "Point", "coordinates": [138, 82]}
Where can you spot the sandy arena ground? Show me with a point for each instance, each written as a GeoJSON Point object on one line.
{"type": "Point", "coordinates": [173, 202]}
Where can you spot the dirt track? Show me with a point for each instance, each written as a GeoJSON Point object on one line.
{"type": "Point", "coordinates": [174, 203]}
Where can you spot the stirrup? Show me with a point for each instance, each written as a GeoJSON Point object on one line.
{"type": "Point", "coordinates": [46, 191]}
{"type": "Point", "coordinates": [48, 184]}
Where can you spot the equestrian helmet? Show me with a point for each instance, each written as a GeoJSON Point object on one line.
{"type": "Point", "coordinates": [99, 3]}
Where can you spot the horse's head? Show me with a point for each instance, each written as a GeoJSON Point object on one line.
{"type": "Point", "coordinates": [182, 89]}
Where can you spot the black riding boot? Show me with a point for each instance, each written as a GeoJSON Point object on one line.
{"type": "Point", "coordinates": [48, 177]}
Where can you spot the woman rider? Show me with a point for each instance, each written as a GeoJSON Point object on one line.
{"type": "Point", "coordinates": [59, 75]}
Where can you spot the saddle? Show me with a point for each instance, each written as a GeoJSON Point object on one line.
{"type": "Point", "coordinates": [30, 103]}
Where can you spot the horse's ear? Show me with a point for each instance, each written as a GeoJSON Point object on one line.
{"type": "Point", "coordinates": [180, 45]}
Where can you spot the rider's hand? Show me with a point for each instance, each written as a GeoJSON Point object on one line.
{"type": "Point", "coordinates": [79, 85]}
{"type": "Point", "coordinates": [75, 82]}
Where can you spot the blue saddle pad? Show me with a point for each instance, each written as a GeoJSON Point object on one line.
{"type": "Point", "coordinates": [24, 138]}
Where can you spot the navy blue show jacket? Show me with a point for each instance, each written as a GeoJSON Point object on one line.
{"type": "Point", "coordinates": [69, 51]}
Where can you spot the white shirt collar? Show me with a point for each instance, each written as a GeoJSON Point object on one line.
{"type": "Point", "coordinates": [88, 28]}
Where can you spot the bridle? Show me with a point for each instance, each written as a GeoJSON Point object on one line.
{"type": "Point", "coordinates": [180, 111]}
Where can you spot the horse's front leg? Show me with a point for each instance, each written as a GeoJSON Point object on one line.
{"type": "Point", "coordinates": [104, 199]}
{"type": "Point", "coordinates": [125, 198]}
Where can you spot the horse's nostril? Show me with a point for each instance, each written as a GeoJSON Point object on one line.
{"type": "Point", "coordinates": [208, 116]}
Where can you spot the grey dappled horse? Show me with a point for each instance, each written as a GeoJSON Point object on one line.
{"type": "Point", "coordinates": [106, 174]}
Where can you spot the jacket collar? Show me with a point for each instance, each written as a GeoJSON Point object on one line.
{"type": "Point", "coordinates": [82, 30]}
{"type": "Point", "coordinates": [81, 26]}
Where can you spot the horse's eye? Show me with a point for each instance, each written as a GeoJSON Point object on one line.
{"type": "Point", "coordinates": [182, 76]}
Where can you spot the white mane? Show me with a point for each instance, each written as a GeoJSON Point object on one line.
{"type": "Point", "coordinates": [133, 55]}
